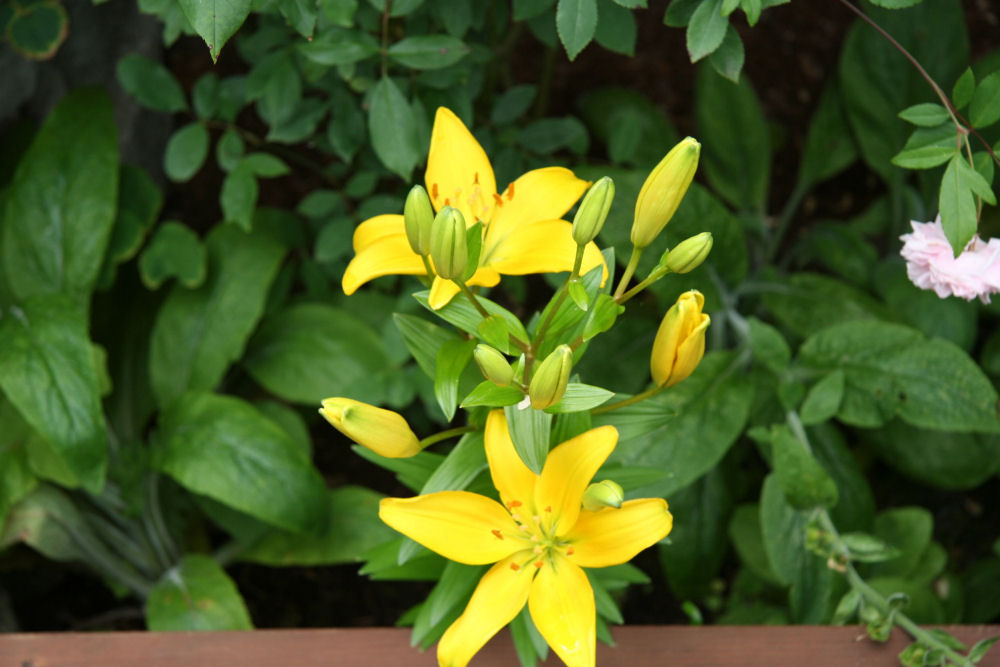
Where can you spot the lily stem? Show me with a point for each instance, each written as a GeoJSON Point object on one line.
{"type": "Point", "coordinates": [633, 262]}
{"type": "Point", "coordinates": [649, 280]}
{"type": "Point", "coordinates": [472, 297]}
{"type": "Point", "coordinates": [444, 435]}
{"type": "Point", "coordinates": [638, 398]}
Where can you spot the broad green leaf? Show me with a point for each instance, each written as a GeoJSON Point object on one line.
{"type": "Point", "coordinates": [529, 430]}
{"type": "Point", "coordinates": [174, 252]}
{"type": "Point", "coordinates": [616, 30]}
{"type": "Point", "coordinates": [493, 331]}
{"type": "Point", "coordinates": [196, 594]}
{"type": "Point", "coordinates": [491, 395]}
{"type": "Point", "coordinates": [976, 182]}
{"type": "Point", "coordinates": [576, 22]}
{"type": "Point", "coordinates": [928, 147]}
{"type": "Point", "coordinates": [16, 477]}
{"type": "Point", "coordinates": [339, 47]}
{"type": "Point", "coordinates": [876, 81]}
{"type": "Point", "coordinates": [769, 346]}
{"type": "Point", "coordinates": [352, 528]}
{"type": "Point", "coordinates": [397, 7]}
{"type": "Point", "coordinates": [698, 544]}
{"type": "Point", "coordinates": [528, 9]}
{"type": "Point", "coordinates": [512, 103]}
{"type": "Point", "coordinates": [728, 59]}
{"type": "Point", "coordinates": [446, 602]}
{"type": "Point", "coordinates": [580, 397]}
{"type": "Point", "coordinates": [392, 128]}
{"type": "Point", "coordinates": [891, 369]}
{"type": "Point", "coordinates": [48, 372]}
{"type": "Point", "coordinates": [36, 30]}
{"type": "Point", "coordinates": [927, 114]}
{"type": "Point", "coordinates": [428, 51]}
{"type": "Point", "coordinates": [239, 196]}
{"type": "Point", "coordinates": [311, 351]}
{"type": "Point", "coordinates": [451, 361]}
{"type": "Point", "coordinates": [985, 107]}
{"type": "Point", "coordinates": [552, 134]}
{"type": "Point", "coordinates": [223, 448]}
{"type": "Point", "coordinates": [957, 206]}
{"type": "Point", "coordinates": [823, 400]}
{"type": "Point", "coordinates": [803, 480]}
{"type": "Point", "coordinates": [619, 117]}
{"type": "Point", "coordinates": [186, 152]}
{"type": "Point", "coordinates": [60, 206]}
{"type": "Point", "coordinates": [941, 460]}
{"type": "Point", "coordinates": [139, 202]}
{"type": "Point", "coordinates": [686, 429]}
{"type": "Point", "coordinates": [215, 21]}
{"type": "Point", "coordinates": [830, 147]}
{"type": "Point", "coordinates": [229, 150]}
{"type": "Point", "coordinates": [198, 333]}
{"type": "Point", "coordinates": [151, 84]}
{"type": "Point", "coordinates": [745, 533]}
{"type": "Point", "coordinates": [736, 146]}
{"type": "Point", "coordinates": [706, 29]}
{"type": "Point", "coordinates": [855, 508]}
{"type": "Point", "coordinates": [806, 303]}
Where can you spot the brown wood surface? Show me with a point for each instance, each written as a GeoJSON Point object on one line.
{"type": "Point", "coordinates": [811, 646]}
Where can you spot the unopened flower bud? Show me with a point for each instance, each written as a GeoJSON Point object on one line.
{"type": "Point", "coordinates": [383, 431]}
{"type": "Point", "coordinates": [603, 494]}
{"type": "Point", "coordinates": [593, 211]}
{"type": "Point", "coordinates": [549, 382]}
{"type": "Point", "coordinates": [663, 191]}
{"type": "Point", "coordinates": [680, 340]}
{"type": "Point", "coordinates": [690, 253]}
{"type": "Point", "coordinates": [418, 217]}
{"type": "Point", "coordinates": [448, 246]}
{"type": "Point", "coordinates": [493, 365]}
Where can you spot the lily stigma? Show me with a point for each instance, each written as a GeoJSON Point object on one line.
{"type": "Point", "coordinates": [522, 227]}
{"type": "Point", "coordinates": [539, 540]}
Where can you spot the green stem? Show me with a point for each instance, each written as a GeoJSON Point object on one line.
{"type": "Point", "coordinates": [633, 262]}
{"type": "Point", "coordinates": [163, 540]}
{"type": "Point", "coordinates": [787, 213]}
{"type": "Point", "coordinates": [444, 435]}
{"type": "Point", "coordinates": [472, 297]}
{"type": "Point", "coordinates": [649, 280]}
{"type": "Point", "coordinates": [385, 37]}
{"type": "Point", "coordinates": [642, 396]}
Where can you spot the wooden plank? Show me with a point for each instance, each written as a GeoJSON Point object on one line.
{"type": "Point", "coordinates": [373, 647]}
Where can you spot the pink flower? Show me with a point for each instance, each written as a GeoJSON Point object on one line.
{"type": "Point", "coordinates": [930, 263]}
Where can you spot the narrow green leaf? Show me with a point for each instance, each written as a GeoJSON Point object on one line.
{"type": "Point", "coordinates": [48, 372]}
{"type": "Point", "coordinates": [975, 182]}
{"type": "Point", "coordinates": [493, 331]}
{"type": "Point", "coordinates": [927, 114]}
{"type": "Point", "coordinates": [464, 316]}
{"type": "Point", "coordinates": [979, 649]}
{"type": "Point", "coordinates": [491, 395]}
{"type": "Point", "coordinates": [529, 430]}
{"type": "Point", "coordinates": [580, 397]}
{"type": "Point", "coordinates": [576, 22]}
{"type": "Point", "coordinates": [423, 339]}
{"type": "Point", "coordinates": [197, 594]}
{"type": "Point", "coordinates": [964, 89]}
{"type": "Point", "coordinates": [452, 359]}
{"type": "Point", "coordinates": [392, 128]}
{"type": "Point", "coordinates": [215, 21]}
{"type": "Point", "coordinates": [866, 548]}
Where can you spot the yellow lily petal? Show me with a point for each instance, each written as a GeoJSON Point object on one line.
{"type": "Point", "coordinates": [461, 526]}
{"type": "Point", "coordinates": [540, 194]}
{"type": "Point", "coordinates": [458, 170]}
{"type": "Point", "coordinates": [562, 606]}
{"type": "Point", "coordinates": [498, 598]}
{"type": "Point", "coordinates": [567, 472]}
{"type": "Point", "coordinates": [374, 229]}
{"type": "Point", "coordinates": [545, 246]}
{"type": "Point", "coordinates": [514, 480]}
{"type": "Point", "coordinates": [443, 291]}
{"type": "Point", "coordinates": [388, 255]}
{"type": "Point", "coordinates": [614, 536]}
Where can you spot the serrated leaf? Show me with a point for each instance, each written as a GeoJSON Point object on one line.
{"type": "Point", "coordinates": [392, 128]}
{"type": "Point", "coordinates": [428, 51]}
{"type": "Point", "coordinates": [576, 22]}
{"type": "Point", "coordinates": [728, 59]}
{"type": "Point", "coordinates": [928, 147]}
{"type": "Point", "coordinates": [215, 21]}
{"type": "Point", "coordinates": [706, 29]}
{"type": "Point", "coordinates": [196, 594]}
{"type": "Point", "coordinates": [616, 30]}
{"type": "Point", "coordinates": [927, 114]}
{"type": "Point", "coordinates": [186, 152]}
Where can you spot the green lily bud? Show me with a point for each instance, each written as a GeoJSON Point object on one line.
{"type": "Point", "coordinates": [418, 217]}
{"type": "Point", "coordinates": [593, 211]}
{"type": "Point", "coordinates": [663, 191]}
{"type": "Point", "coordinates": [493, 365]}
{"type": "Point", "coordinates": [549, 382]}
{"type": "Point", "coordinates": [383, 431]}
{"type": "Point", "coordinates": [605, 493]}
{"type": "Point", "coordinates": [448, 245]}
{"type": "Point", "coordinates": [690, 253]}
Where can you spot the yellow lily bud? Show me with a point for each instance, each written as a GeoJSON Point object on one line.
{"type": "Point", "coordinates": [690, 253]}
{"type": "Point", "coordinates": [605, 493]}
{"type": "Point", "coordinates": [493, 365]}
{"type": "Point", "coordinates": [383, 431]}
{"type": "Point", "coordinates": [593, 211]}
{"type": "Point", "coordinates": [680, 340]}
{"type": "Point", "coordinates": [663, 191]}
{"type": "Point", "coordinates": [418, 217]}
{"type": "Point", "coordinates": [448, 246]}
{"type": "Point", "coordinates": [549, 382]}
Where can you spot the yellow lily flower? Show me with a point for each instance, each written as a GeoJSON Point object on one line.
{"type": "Point", "coordinates": [540, 538]}
{"type": "Point", "coordinates": [522, 227]}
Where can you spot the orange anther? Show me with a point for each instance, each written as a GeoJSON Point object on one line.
{"type": "Point", "coordinates": [570, 551]}
{"type": "Point", "coordinates": [510, 191]}
{"type": "Point", "coordinates": [548, 508]}
{"type": "Point", "coordinates": [514, 503]}
{"type": "Point", "coordinates": [498, 199]}
{"type": "Point", "coordinates": [434, 190]}
{"type": "Point", "coordinates": [497, 534]}
{"type": "Point", "coordinates": [475, 178]}
{"type": "Point", "coordinates": [447, 201]}
{"type": "Point", "coordinates": [538, 563]}
{"type": "Point", "coordinates": [515, 567]}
